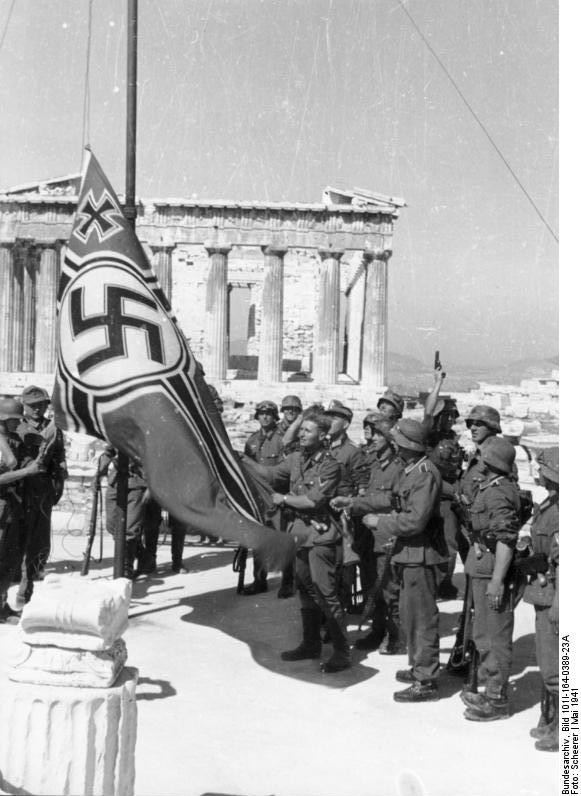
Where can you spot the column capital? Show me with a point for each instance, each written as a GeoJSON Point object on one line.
{"type": "Point", "coordinates": [49, 244]}
{"type": "Point", "coordinates": [327, 253]}
{"type": "Point", "coordinates": [7, 244]}
{"type": "Point", "coordinates": [218, 248]}
{"type": "Point", "coordinates": [377, 254]}
{"type": "Point", "coordinates": [275, 251]}
{"type": "Point", "coordinates": [166, 248]}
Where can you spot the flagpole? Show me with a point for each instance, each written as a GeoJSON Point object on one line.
{"type": "Point", "coordinates": [130, 210]}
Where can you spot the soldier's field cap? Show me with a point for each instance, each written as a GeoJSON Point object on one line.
{"type": "Point", "coordinates": [34, 395]}
{"type": "Point", "coordinates": [391, 397]}
{"type": "Point", "coordinates": [548, 461]}
{"type": "Point", "coordinates": [409, 434]}
{"type": "Point", "coordinates": [499, 453]}
{"type": "Point", "coordinates": [337, 409]}
{"type": "Point", "coordinates": [291, 402]}
{"type": "Point", "coordinates": [446, 404]}
{"type": "Point", "coordinates": [10, 408]}
{"type": "Point", "coordinates": [267, 407]}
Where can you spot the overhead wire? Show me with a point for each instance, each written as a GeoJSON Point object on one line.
{"type": "Point", "coordinates": [86, 132]}
{"type": "Point", "coordinates": [477, 119]}
{"type": "Point", "coordinates": [10, 10]}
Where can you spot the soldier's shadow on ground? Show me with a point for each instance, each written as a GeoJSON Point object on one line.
{"type": "Point", "coordinates": [268, 626]}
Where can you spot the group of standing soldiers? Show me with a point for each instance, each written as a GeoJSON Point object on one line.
{"type": "Point", "coordinates": [32, 477]}
{"type": "Point", "coordinates": [406, 503]}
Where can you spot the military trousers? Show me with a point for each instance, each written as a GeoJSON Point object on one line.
{"type": "Point", "coordinates": [547, 649]}
{"type": "Point", "coordinates": [317, 580]}
{"type": "Point", "coordinates": [9, 532]}
{"type": "Point", "coordinates": [386, 607]}
{"type": "Point", "coordinates": [493, 638]}
{"type": "Point", "coordinates": [36, 537]}
{"type": "Point", "coordinates": [455, 539]}
{"type": "Point", "coordinates": [419, 613]}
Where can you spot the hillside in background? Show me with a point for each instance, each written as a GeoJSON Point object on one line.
{"type": "Point", "coordinates": [410, 376]}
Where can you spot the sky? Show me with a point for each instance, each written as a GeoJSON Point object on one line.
{"type": "Point", "coordinates": [275, 99]}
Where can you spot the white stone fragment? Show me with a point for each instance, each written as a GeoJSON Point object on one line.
{"type": "Point", "coordinates": [68, 611]}
{"type": "Point", "coordinates": [68, 740]}
{"type": "Point", "coordinates": [44, 665]}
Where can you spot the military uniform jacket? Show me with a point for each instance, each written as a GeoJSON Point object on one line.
{"type": "Point", "coordinates": [316, 476]}
{"type": "Point", "coordinates": [48, 438]}
{"type": "Point", "coordinates": [282, 427]}
{"type": "Point", "coordinates": [265, 447]}
{"type": "Point", "coordinates": [135, 475]}
{"type": "Point", "coordinates": [418, 526]}
{"type": "Point", "coordinates": [495, 518]}
{"type": "Point", "coordinates": [354, 467]}
{"type": "Point", "coordinates": [385, 472]}
{"type": "Point", "coordinates": [545, 540]}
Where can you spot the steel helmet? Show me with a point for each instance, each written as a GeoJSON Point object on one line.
{"type": "Point", "coordinates": [391, 397]}
{"type": "Point", "coordinates": [487, 415]}
{"type": "Point", "coordinates": [548, 461]}
{"type": "Point", "coordinates": [446, 404]}
{"type": "Point", "coordinates": [267, 406]}
{"type": "Point", "coordinates": [498, 452]}
{"type": "Point", "coordinates": [291, 402]}
{"type": "Point", "coordinates": [10, 408]}
{"type": "Point", "coordinates": [409, 434]}
{"type": "Point", "coordinates": [377, 422]}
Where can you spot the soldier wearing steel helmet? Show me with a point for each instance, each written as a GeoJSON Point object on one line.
{"type": "Point", "coordinates": [483, 422]}
{"type": "Point", "coordinates": [13, 471]}
{"type": "Point", "coordinates": [541, 568]}
{"type": "Point", "coordinates": [386, 632]}
{"type": "Point", "coordinates": [495, 522]}
{"type": "Point", "coordinates": [291, 408]}
{"type": "Point", "coordinates": [391, 405]}
{"type": "Point", "coordinates": [414, 530]}
{"type": "Point", "coordinates": [39, 435]}
{"type": "Point", "coordinates": [265, 447]}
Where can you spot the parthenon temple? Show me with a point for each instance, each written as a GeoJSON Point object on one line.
{"type": "Point", "coordinates": [261, 290]}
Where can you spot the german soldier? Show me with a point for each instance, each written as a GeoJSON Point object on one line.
{"type": "Point", "coordinates": [311, 477]}
{"type": "Point", "coordinates": [386, 632]}
{"type": "Point", "coordinates": [40, 436]}
{"type": "Point", "coordinates": [265, 447]}
{"type": "Point", "coordinates": [12, 471]}
{"type": "Point", "coordinates": [494, 515]}
{"type": "Point", "coordinates": [542, 570]}
{"type": "Point", "coordinates": [391, 404]}
{"type": "Point", "coordinates": [415, 531]}
{"type": "Point", "coordinates": [483, 423]}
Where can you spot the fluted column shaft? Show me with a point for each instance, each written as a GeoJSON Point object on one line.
{"type": "Point", "coordinates": [29, 272]}
{"type": "Point", "coordinates": [216, 340]}
{"type": "Point", "coordinates": [162, 268]}
{"type": "Point", "coordinates": [17, 309]}
{"type": "Point", "coordinates": [356, 301]}
{"type": "Point", "coordinates": [46, 299]}
{"type": "Point", "coordinates": [326, 360]}
{"type": "Point", "coordinates": [270, 354]}
{"type": "Point", "coordinates": [374, 364]}
{"type": "Point", "coordinates": [6, 280]}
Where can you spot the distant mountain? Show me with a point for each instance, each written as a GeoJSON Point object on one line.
{"type": "Point", "coordinates": [409, 376]}
{"type": "Point", "coordinates": [515, 372]}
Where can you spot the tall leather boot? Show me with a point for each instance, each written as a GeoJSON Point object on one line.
{"type": "Point", "coordinates": [547, 712]}
{"type": "Point", "coordinates": [550, 740]}
{"type": "Point", "coordinates": [131, 550]}
{"type": "Point", "coordinates": [341, 656]}
{"type": "Point", "coordinates": [287, 582]}
{"type": "Point", "coordinates": [310, 646]}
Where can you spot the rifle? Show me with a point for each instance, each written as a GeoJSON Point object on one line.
{"type": "Point", "coordinates": [378, 587]}
{"type": "Point", "coordinates": [239, 566]}
{"type": "Point", "coordinates": [464, 656]}
{"type": "Point", "coordinates": [96, 492]}
{"type": "Point", "coordinates": [438, 363]}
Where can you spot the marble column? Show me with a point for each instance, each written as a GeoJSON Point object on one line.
{"type": "Point", "coordinates": [17, 308]}
{"type": "Point", "coordinates": [270, 353]}
{"type": "Point", "coordinates": [326, 359]}
{"type": "Point", "coordinates": [216, 340]}
{"type": "Point", "coordinates": [356, 299]}
{"type": "Point", "coordinates": [46, 299]}
{"type": "Point", "coordinates": [29, 272]}
{"type": "Point", "coordinates": [6, 280]}
{"type": "Point", "coordinates": [374, 360]}
{"type": "Point", "coordinates": [162, 268]}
